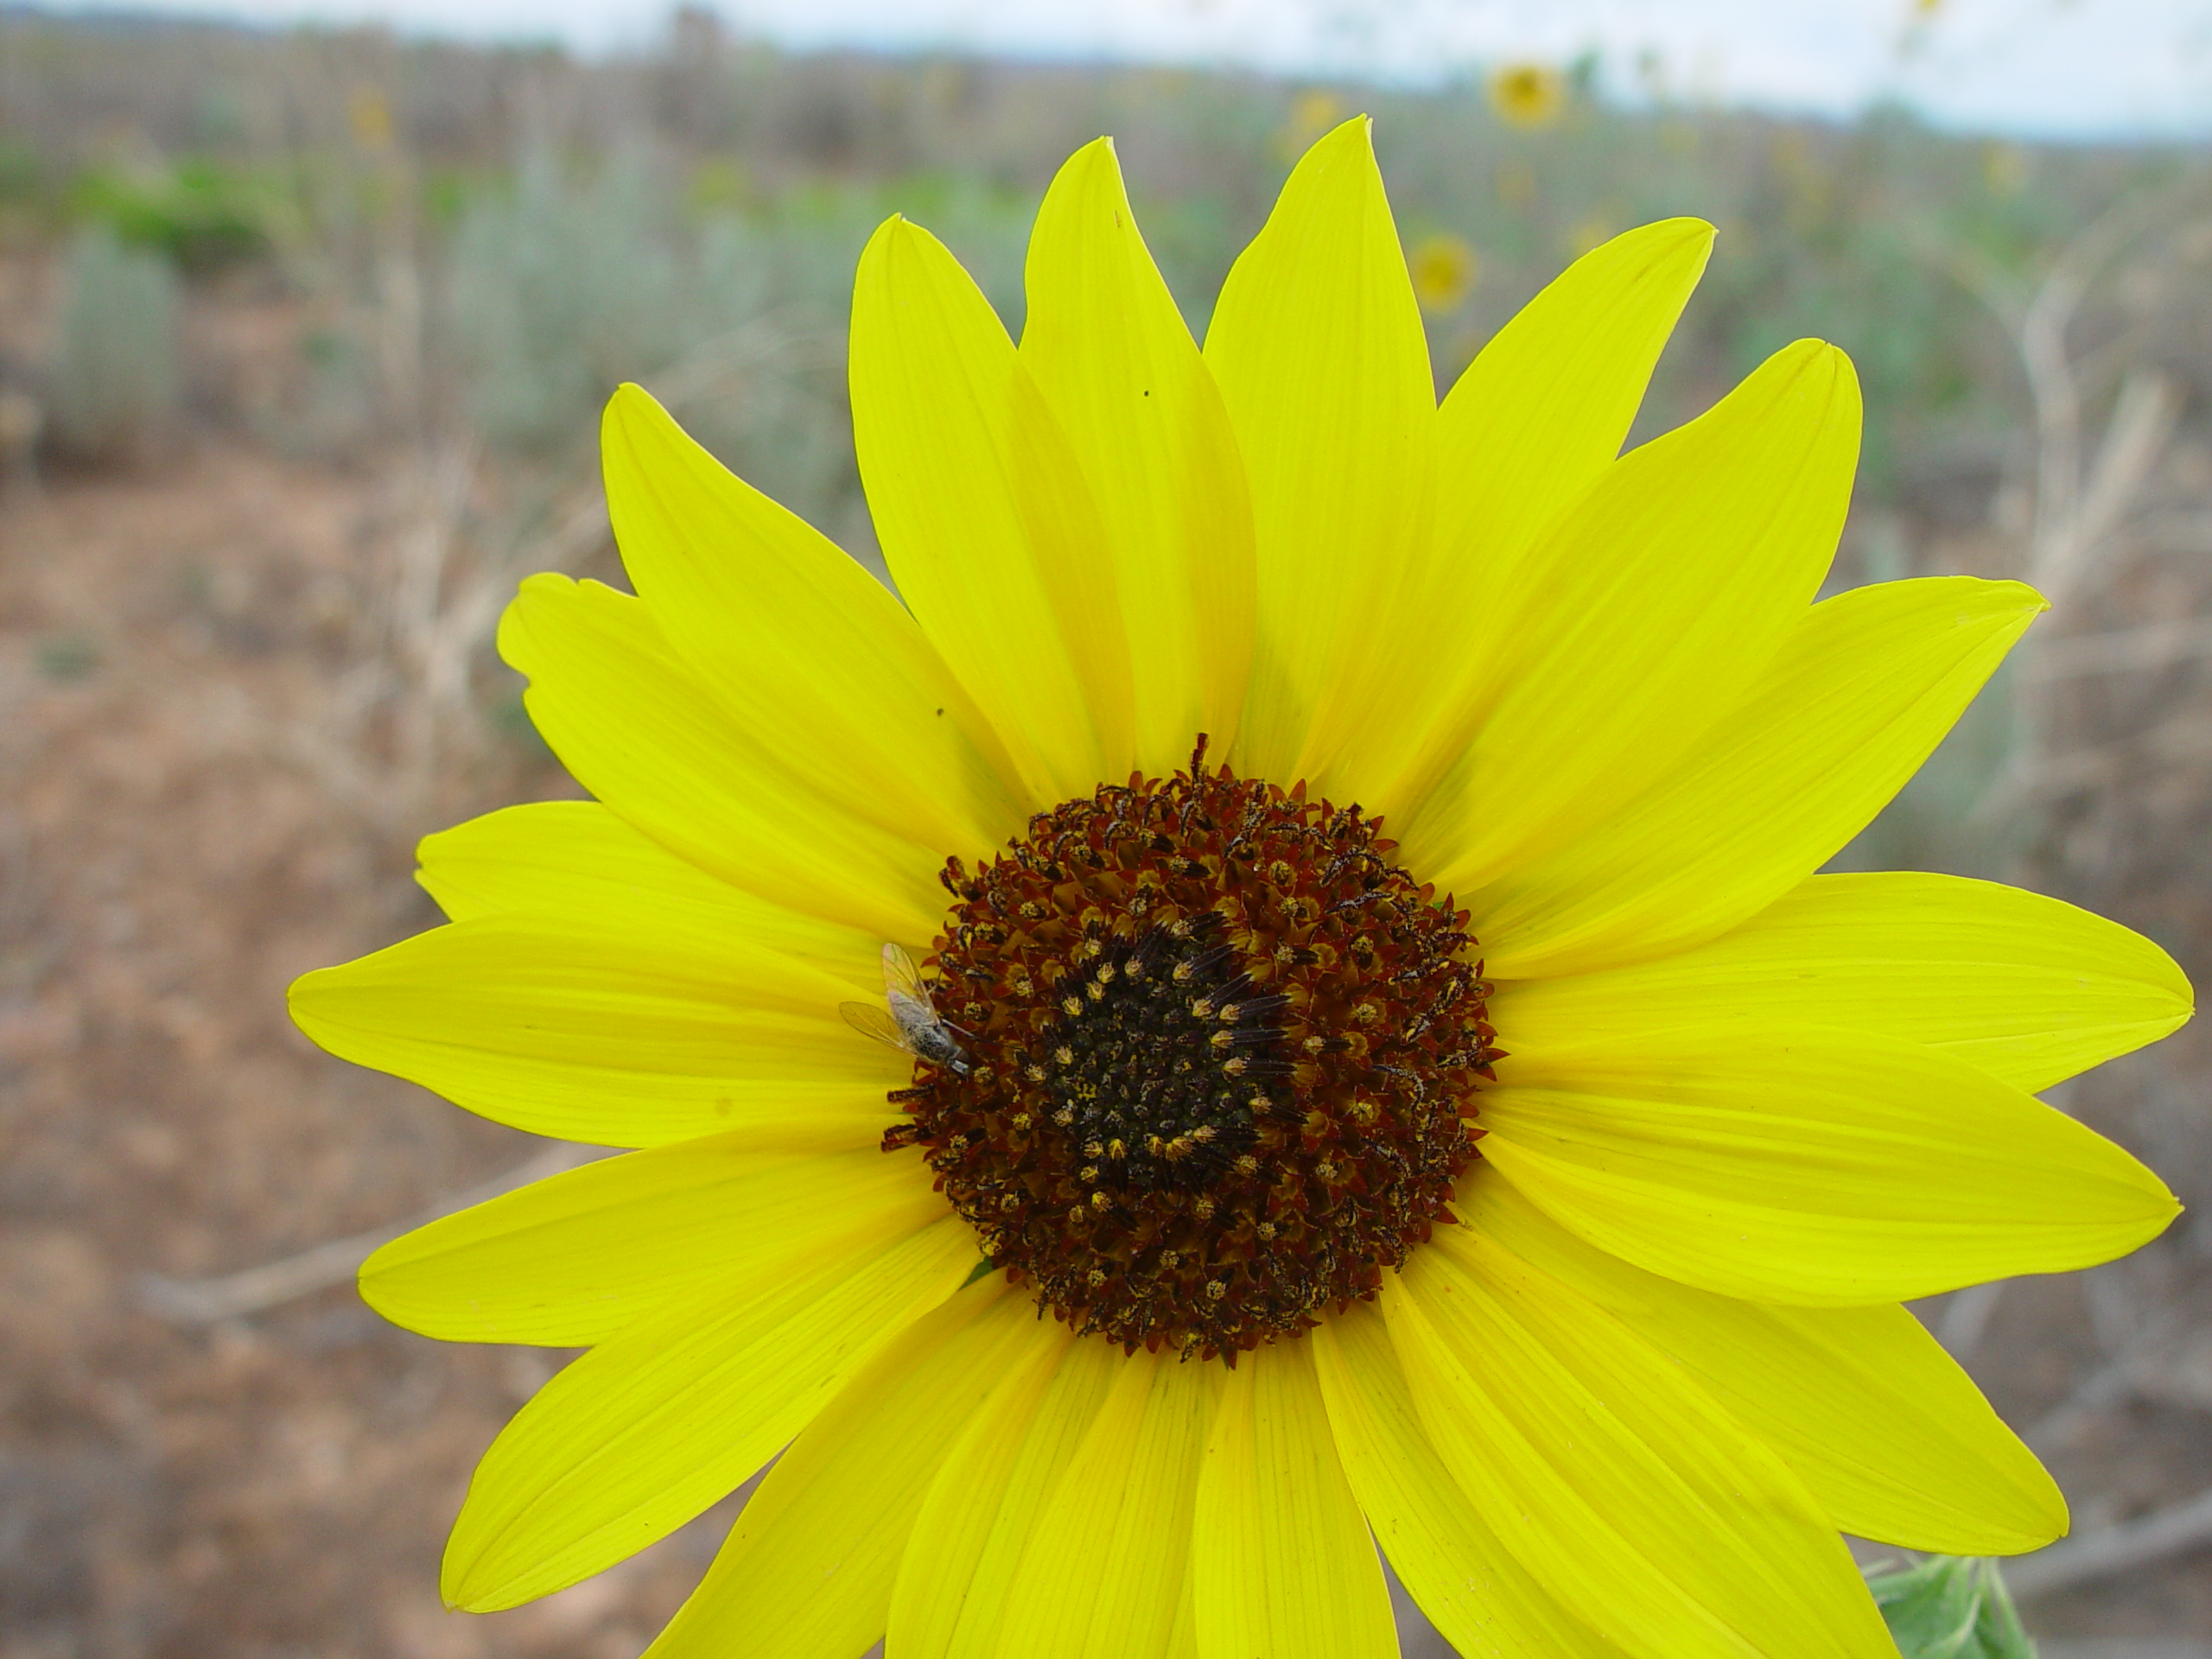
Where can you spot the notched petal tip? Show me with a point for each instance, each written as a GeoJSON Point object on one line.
{"type": "Point", "coordinates": [1666, 251]}
{"type": "Point", "coordinates": [1356, 134]}
{"type": "Point", "coordinates": [317, 1001]}
{"type": "Point", "coordinates": [632, 425]}
{"type": "Point", "coordinates": [367, 1283]}
{"type": "Point", "coordinates": [1813, 360]}
{"type": "Point", "coordinates": [897, 233]}
{"type": "Point", "coordinates": [630, 401]}
{"type": "Point", "coordinates": [300, 997]}
{"type": "Point", "coordinates": [462, 1592]}
{"type": "Point", "coordinates": [633, 420]}
{"type": "Point", "coordinates": [1088, 183]}
{"type": "Point", "coordinates": [1992, 603]}
{"type": "Point", "coordinates": [1843, 377]}
{"type": "Point", "coordinates": [320, 1000]}
{"type": "Point", "coordinates": [2053, 1526]}
{"type": "Point", "coordinates": [1804, 398]}
{"type": "Point", "coordinates": [892, 235]}
{"type": "Point", "coordinates": [1687, 226]}
{"type": "Point", "coordinates": [904, 266]}
{"type": "Point", "coordinates": [1091, 171]}
{"type": "Point", "coordinates": [1662, 242]}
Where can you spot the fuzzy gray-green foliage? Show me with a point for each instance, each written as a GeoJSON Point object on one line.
{"type": "Point", "coordinates": [564, 286]}
{"type": "Point", "coordinates": [1951, 1607]}
{"type": "Point", "coordinates": [559, 290]}
{"type": "Point", "coordinates": [114, 370]}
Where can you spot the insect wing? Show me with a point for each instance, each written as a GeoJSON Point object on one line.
{"type": "Point", "coordinates": [902, 980]}
{"type": "Point", "coordinates": [873, 1020]}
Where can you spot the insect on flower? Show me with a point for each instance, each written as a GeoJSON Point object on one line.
{"type": "Point", "coordinates": [908, 1017]}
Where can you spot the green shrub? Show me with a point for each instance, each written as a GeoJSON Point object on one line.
{"type": "Point", "coordinates": [202, 215]}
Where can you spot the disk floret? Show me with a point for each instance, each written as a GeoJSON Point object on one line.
{"type": "Point", "coordinates": [1222, 1059]}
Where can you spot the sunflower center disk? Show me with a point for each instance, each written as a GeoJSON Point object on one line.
{"type": "Point", "coordinates": [1222, 1057]}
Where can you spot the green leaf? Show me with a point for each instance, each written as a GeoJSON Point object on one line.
{"type": "Point", "coordinates": [1951, 1607]}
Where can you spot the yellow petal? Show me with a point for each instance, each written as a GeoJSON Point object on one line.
{"type": "Point", "coordinates": [997, 1476]}
{"type": "Point", "coordinates": [1103, 1574]}
{"type": "Point", "coordinates": [808, 1568]}
{"type": "Point", "coordinates": [984, 516]}
{"type": "Point", "coordinates": [1811, 1167]}
{"type": "Point", "coordinates": [1318, 347]}
{"type": "Point", "coordinates": [1281, 1561]}
{"type": "Point", "coordinates": [1109, 352]}
{"type": "Point", "coordinates": [2028, 988]}
{"type": "Point", "coordinates": [1865, 689]}
{"type": "Point", "coordinates": [1470, 1585]}
{"type": "Point", "coordinates": [647, 1430]}
{"type": "Point", "coordinates": [1537, 418]}
{"type": "Point", "coordinates": [573, 1259]}
{"type": "Point", "coordinates": [578, 858]}
{"type": "Point", "coordinates": [1543, 411]}
{"type": "Point", "coordinates": [1620, 1485]}
{"type": "Point", "coordinates": [807, 652]}
{"type": "Point", "coordinates": [588, 1030]}
{"type": "Point", "coordinates": [1892, 1439]}
{"type": "Point", "coordinates": [1642, 616]}
{"type": "Point", "coordinates": [1183, 1643]}
{"type": "Point", "coordinates": [642, 735]}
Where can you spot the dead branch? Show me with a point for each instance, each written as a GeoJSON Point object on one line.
{"type": "Point", "coordinates": [204, 1301]}
{"type": "Point", "coordinates": [2122, 651]}
{"type": "Point", "coordinates": [2113, 1550]}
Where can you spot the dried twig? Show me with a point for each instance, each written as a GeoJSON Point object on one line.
{"type": "Point", "coordinates": [2113, 1550]}
{"type": "Point", "coordinates": [2061, 546]}
{"type": "Point", "coordinates": [2122, 651]}
{"type": "Point", "coordinates": [2182, 741]}
{"type": "Point", "coordinates": [203, 1301]}
{"type": "Point", "coordinates": [2143, 415]}
{"type": "Point", "coordinates": [2082, 500]}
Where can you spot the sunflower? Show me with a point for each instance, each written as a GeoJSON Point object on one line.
{"type": "Point", "coordinates": [1445, 268]}
{"type": "Point", "coordinates": [1382, 1069]}
{"type": "Point", "coordinates": [1528, 94]}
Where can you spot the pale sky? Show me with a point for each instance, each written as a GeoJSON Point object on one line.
{"type": "Point", "coordinates": [2032, 68]}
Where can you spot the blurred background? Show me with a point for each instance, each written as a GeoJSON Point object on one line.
{"type": "Point", "coordinates": [305, 323]}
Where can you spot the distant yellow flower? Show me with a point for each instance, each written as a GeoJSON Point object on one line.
{"type": "Point", "coordinates": [369, 114]}
{"type": "Point", "coordinates": [1445, 268]}
{"type": "Point", "coordinates": [1312, 113]}
{"type": "Point", "coordinates": [1590, 231]}
{"type": "Point", "coordinates": [1520, 1169]}
{"type": "Point", "coordinates": [1528, 94]}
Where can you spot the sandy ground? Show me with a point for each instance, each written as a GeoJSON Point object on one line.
{"type": "Point", "coordinates": [174, 856]}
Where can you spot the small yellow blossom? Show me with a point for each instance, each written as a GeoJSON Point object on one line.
{"type": "Point", "coordinates": [369, 113]}
{"type": "Point", "coordinates": [1592, 231]}
{"type": "Point", "coordinates": [1528, 94]}
{"type": "Point", "coordinates": [1312, 113]}
{"type": "Point", "coordinates": [1445, 268]}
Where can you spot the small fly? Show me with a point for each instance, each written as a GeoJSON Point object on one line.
{"type": "Point", "coordinates": [906, 1019]}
